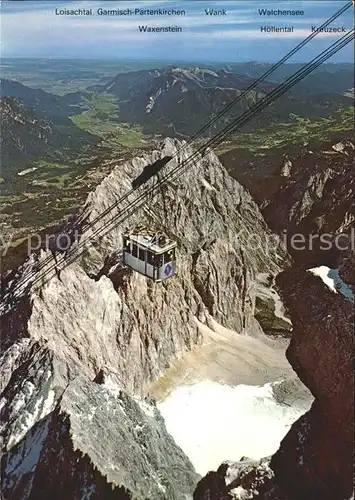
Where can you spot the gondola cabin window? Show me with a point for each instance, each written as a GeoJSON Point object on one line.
{"type": "Point", "coordinates": [150, 258]}
{"type": "Point", "coordinates": [141, 254]}
{"type": "Point", "coordinates": [158, 261]}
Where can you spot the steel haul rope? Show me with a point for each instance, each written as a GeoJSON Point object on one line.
{"type": "Point", "coordinates": [218, 116]}
{"type": "Point", "coordinates": [235, 125]}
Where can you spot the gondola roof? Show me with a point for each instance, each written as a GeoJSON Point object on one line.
{"type": "Point", "coordinates": [157, 243]}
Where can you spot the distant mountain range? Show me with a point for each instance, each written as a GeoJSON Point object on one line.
{"type": "Point", "coordinates": [176, 101]}
{"type": "Point", "coordinates": [126, 85]}
{"type": "Point", "coordinates": [172, 101]}
{"type": "Point", "coordinates": [179, 101]}
{"type": "Point", "coordinates": [328, 78]}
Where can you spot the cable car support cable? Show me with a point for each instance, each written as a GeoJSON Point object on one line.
{"type": "Point", "coordinates": [221, 113]}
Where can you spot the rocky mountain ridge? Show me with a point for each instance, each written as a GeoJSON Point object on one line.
{"type": "Point", "coordinates": [70, 449]}
{"type": "Point", "coordinates": [124, 85]}
{"type": "Point", "coordinates": [31, 131]}
{"type": "Point", "coordinates": [99, 316]}
{"type": "Point", "coordinates": [175, 101]}
{"type": "Point", "coordinates": [306, 191]}
{"type": "Point", "coordinates": [25, 136]}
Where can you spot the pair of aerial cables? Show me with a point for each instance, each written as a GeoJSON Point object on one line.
{"type": "Point", "coordinates": [121, 216]}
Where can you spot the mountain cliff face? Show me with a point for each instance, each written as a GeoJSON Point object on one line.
{"type": "Point", "coordinates": [25, 136]}
{"type": "Point", "coordinates": [315, 459]}
{"type": "Point", "coordinates": [98, 442]}
{"type": "Point", "coordinates": [22, 134]}
{"type": "Point", "coordinates": [307, 191]}
{"type": "Point", "coordinates": [318, 197]}
{"type": "Point", "coordinates": [99, 317]}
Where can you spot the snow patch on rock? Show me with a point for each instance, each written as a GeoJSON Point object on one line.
{"type": "Point", "coordinates": [24, 460]}
{"type": "Point", "coordinates": [333, 281]}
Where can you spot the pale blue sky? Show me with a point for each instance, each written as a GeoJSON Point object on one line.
{"type": "Point", "coordinates": [31, 29]}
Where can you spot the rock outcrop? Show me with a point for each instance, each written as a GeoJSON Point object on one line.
{"type": "Point", "coordinates": [95, 314]}
{"type": "Point", "coordinates": [305, 191]}
{"type": "Point", "coordinates": [98, 442]}
{"type": "Point", "coordinates": [316, 456]}
{"type": "Point", "coordinates": [315, 459]}
{"type": "Point", "coordinates": [347, 270]}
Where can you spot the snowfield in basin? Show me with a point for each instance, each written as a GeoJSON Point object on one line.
{"type": "Point", "coordinates": [213, 422]}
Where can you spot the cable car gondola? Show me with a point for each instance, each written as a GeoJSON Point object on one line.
{"type": "Point", "coordinates": [150, 254]}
